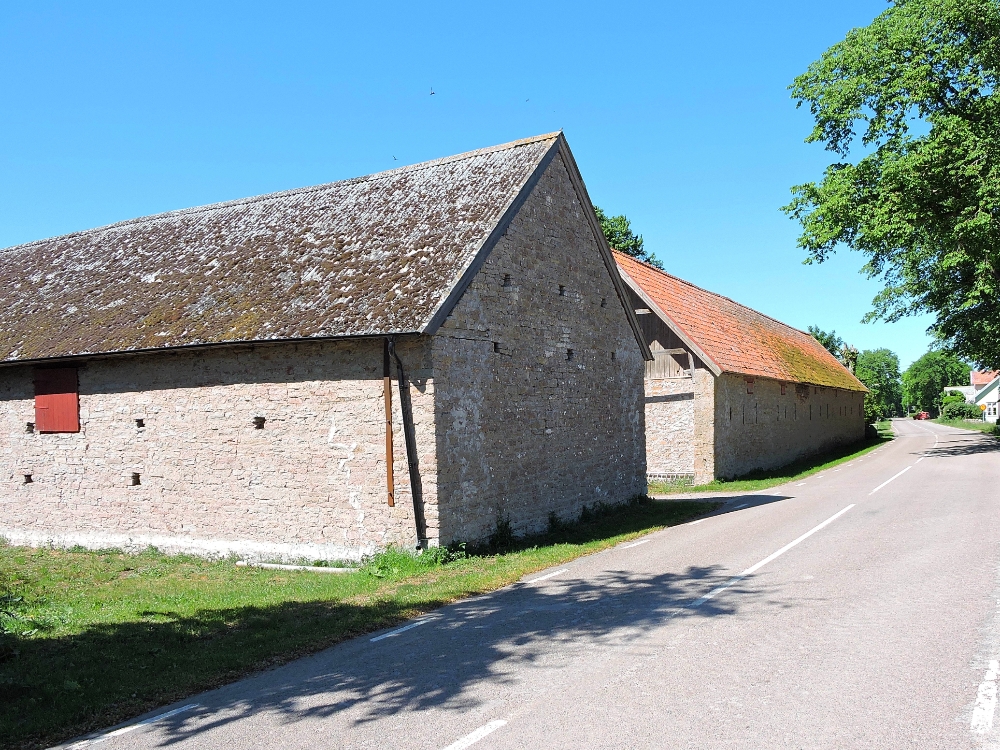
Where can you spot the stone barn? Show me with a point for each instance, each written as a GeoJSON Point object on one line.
{"type": "Point", "coordinates": [730, 390]}
{"type": "Point", "coordinates": [401, 358]}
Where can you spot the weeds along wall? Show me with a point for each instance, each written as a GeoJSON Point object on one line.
{"type": "Point", "coordinates": [310, 482]}
{"type": "Point", "coordinates": [766, 429]}
{"type": "Point", "coordinates": [538, 378]}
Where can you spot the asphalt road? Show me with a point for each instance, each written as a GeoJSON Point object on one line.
{"type": "Point", "coordinates": [875, 630]}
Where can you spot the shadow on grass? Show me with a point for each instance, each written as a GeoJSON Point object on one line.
{"type": "Point", "coordinates": [457, 663]}
{"type": "Point", "coordinates": [53, 688]}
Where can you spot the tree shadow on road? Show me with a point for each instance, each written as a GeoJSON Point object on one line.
{"type": "Point", "coordinates": [488, 639]}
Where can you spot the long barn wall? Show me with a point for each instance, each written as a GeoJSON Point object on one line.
{"type": "Point", "coordinates": [310, 484]}
{"type": "Point", "coordinates": [766, 430]}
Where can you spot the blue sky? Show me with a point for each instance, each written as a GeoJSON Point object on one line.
{"type": "Point", "coordinates": [678, 114]}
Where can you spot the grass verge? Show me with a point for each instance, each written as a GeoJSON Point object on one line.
{"type": "Point", "coordinates": [969, 424]}
{"type": "Point", "coordinates": [762, 480]}
{"type": "Point", "coordinates": [90, 639]}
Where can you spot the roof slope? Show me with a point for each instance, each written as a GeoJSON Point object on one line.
{"type": "Point", "coordinates": [367, 256]}
{"type": "Point", "coordinates": [733, 337]}
{"type": "Point", "coordinates": [983, 378]}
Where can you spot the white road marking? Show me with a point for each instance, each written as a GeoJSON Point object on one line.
{"type": "Point", "coordinates": [741, 506]}
{"type": "Point", "coordinates": [821, 476]}
{"type": "Point", "coordinates": [471, 739]}
{"type": "Point", "coordinates": [403, 629]}
{"type": "Point", "coordinates": [633, 544]}
{"type": "Point", "coordinates": [130, 727]}
{"type": "Point", "coordinates": [986, 701]}
{"type": "Point", "coordinates": [546, 577]}
{"type": "Point", "coordinates": [889, 480]}
{"type": "Point", "coordinates": [694, 522]}
{"type": "Point", "coordinates": [773, 556]}
{"type": "Point", "coordinates": [919, 460]}
{"type": "Point", "coordinates": [800, 484]}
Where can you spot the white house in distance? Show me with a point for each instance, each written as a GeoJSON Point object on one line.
{"type": "Point", "coordinates": [987, 397]}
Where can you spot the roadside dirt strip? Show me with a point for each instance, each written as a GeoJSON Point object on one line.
{"type": "Point", "coordinates": [855, 609]}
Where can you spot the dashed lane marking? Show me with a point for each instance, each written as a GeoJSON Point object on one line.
{"type": "Point", "coordinates": [131, 727]}
{"type": "Point", "coordinates": [773, 556]}
{"type": "Point", "coordinates": [545, 577]}
{"type": "Point", "coordinates": [889, 480]}
{"type": "Point", "coordinates": [403, 629]}
{"type": "Point", "coordinates": [986, 701]}
{"type": "Point", "coordinates": [471, 739]}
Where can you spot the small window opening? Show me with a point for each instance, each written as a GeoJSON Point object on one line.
{"type": "Point", "coordinates": [30, 427]}
{"type": "Point", "coordinates": [749, 383]}
{"type": "Point", "coordinates": [604, 301]}
{"type": "Point", "coordinates": [140, 423]}
{"type": "Point", "coordinates": [782, 389]}
{"type": "Point", "coordinates": [562, 291]}
{"type": "Point", "coordinates": [136, 480]}
{"type": "Point", "coordinates": [506, 280]}
{"type": "Point", "coordinates": [258, 423]}
{"type": "Point", "coordinates": [496, 347]}
{"type": "Point", "coordinates": [569, 355]}
{"type": "Point", "coordinates": [612, 356]}
{"type": "Point", "coordinates": [28, 479]}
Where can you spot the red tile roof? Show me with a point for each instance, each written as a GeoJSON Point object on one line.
{"type": "Point", "coordinates": [734, 337]}
{"type": "Point", "coordinates": [984, 378]}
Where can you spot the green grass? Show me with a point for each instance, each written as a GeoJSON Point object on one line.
{"type": "Point", "coordinates": [89, 639]}
{"type": "Point", "coordinates": [968, 424]}
{"type": "Point", "coordinates": [762, 480]}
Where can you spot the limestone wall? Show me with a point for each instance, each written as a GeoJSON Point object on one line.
{"type": "Point", "coordinates": [538, 378]}
{"type": "Point", "coordinates": [670, 427]}
{"type": "Point", "coordinates": [310, 484]}
{"type": "Point", "coordinates": [765, 429]}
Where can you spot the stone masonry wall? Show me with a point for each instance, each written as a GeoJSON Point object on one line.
{"type": "Point", "coordinates": [766, 429]}
{"type": "Point", "coordinates": [670, 427]}
{"type": "Point", "coordinates": [310, 484]}
{"type": "Point", "coordinates": [538, 377]}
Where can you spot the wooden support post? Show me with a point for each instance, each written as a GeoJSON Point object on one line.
{"type": "Point", "coordinates": [387, 388]}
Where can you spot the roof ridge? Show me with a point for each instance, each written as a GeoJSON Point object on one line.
{"type": "Point", "coordinates": [194, 210]}
{"type": "Point", "coordinates": [715, 294]}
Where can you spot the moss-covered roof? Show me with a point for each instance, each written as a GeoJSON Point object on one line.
{"type": "Point", "coordinates": [737, 338]}
{"type": "Point", "coordinates": [367, 256]}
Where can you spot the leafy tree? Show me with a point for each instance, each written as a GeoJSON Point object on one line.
{"type": "Point", "coordinates": [952, 397]}
{"type": "Point", "coordinates": [878, 369]}
{"type": "Point", "coordinates": [925, 380]}
{"type": "Point", "coordinates": [830, 341]}
{"type": "Point", "coordinates": [917, 90]}
{"type": "Point", "coordinates": [618, 231]}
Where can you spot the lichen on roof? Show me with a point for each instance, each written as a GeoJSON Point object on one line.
{"type": "Point", "coordinates": [737, 338]}
{"type": "Point", "coordinates": [367, 256]}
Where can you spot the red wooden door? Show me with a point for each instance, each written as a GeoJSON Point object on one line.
{"type": "Point", "coordinates": [57, 401]}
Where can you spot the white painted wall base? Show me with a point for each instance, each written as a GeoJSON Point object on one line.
{"type": "Point", "coordinates": [178, 545]}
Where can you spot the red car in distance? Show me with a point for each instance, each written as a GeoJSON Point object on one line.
{"type": "Point", "coordinates": [922, 415]}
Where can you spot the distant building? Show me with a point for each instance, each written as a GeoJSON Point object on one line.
{"type": "Point", "coordinates": [731, 390]}
{"type": "Point", "coordinates": [987, 397]}
{"type": "Point", "coordinates": [217, 380]}
{"type": "Point", "coordinates": [977, 382]}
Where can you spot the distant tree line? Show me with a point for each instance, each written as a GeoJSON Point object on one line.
{"type": "Point", "coordinates": [921, 387]}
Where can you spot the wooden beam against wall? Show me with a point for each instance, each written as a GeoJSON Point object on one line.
{"type": "Point", "coordinates": [387, 390]}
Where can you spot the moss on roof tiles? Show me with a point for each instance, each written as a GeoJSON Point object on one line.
{"type": "Point", "coordinates": [365, 256]}
{"type": "Point", "coordinates": [737, 338]}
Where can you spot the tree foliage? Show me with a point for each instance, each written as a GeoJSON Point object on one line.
{"type": "Point", "coordinates": [878, 369]}
{"type": "Point", "coordinates": [830, 341]}
{"type": "Point", "coordinates": [925, 380]}
{"type": "Point", "coordinates": [917, 91]}
{"type": "Point", "coordinates": [618, 231]}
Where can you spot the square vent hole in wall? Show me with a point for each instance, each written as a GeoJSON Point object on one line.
{"type": "Point", "coordinates": [258, 423]}
{"type": "Point", "coordinates": [136, 479]}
